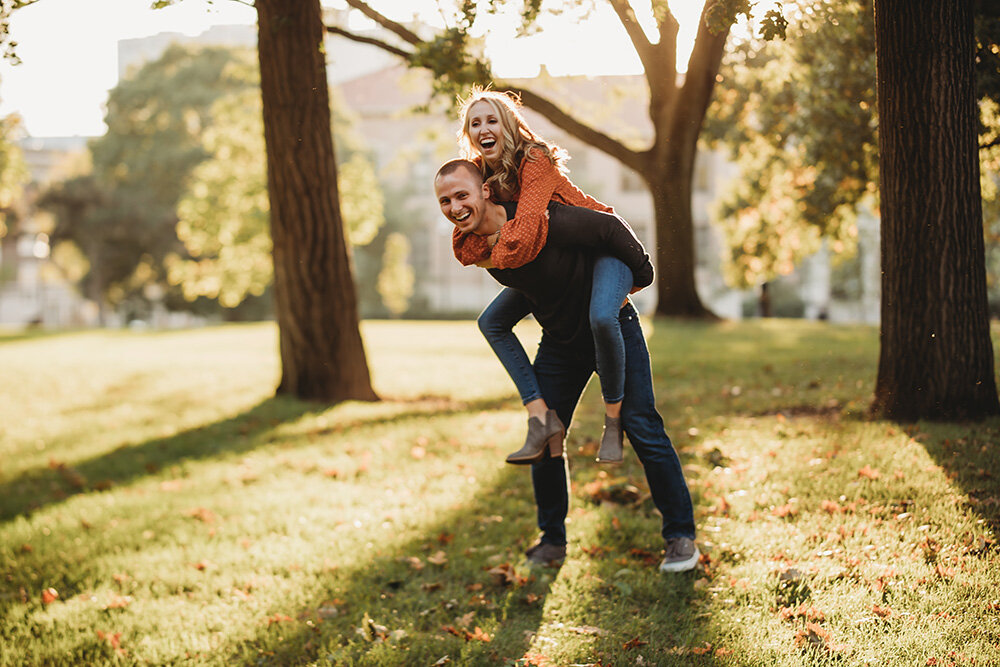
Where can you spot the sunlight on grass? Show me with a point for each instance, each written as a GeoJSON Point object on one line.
{"type": "Point", "coordinates": [160, 506]}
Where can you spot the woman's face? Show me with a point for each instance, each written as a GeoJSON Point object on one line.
{"type": "Point", "coordinates": [485, 131]}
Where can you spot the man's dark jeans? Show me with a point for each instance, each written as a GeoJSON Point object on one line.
{"type": "Point", "coordinates": [563, 373]}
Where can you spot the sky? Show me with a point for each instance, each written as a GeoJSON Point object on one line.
{"type": "Point", "coordinates": [70, 58]}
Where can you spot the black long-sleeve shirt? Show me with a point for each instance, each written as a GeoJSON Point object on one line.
{"type": "Point", "coordinates": [558, 281]}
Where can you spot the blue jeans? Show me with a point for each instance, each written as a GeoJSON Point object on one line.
{"type": "Point", "coordinates": [612, 283]}
{"type": "Point", "coordinates": [563, 373]}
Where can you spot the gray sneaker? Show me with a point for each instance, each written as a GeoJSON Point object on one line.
{"type": "Point", "coordinates": [679, 555]}
{"type": "Point", "coordinates": [544, 553]}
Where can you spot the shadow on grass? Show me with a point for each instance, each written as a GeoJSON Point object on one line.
{"type": "Point", "coordinates": [38, 488]}
{"type": "Point", "coordinates": [968, 455]}
{"type": "Point", "coordinates": [458, 589]}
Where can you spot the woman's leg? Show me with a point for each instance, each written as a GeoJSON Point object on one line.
{"type": "Point", "coordinates": [611, 285]}
{"type": "Point", "coordinates": [545, 431]}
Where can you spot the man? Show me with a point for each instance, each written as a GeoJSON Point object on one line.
{"type": "Point", "coordinates": [556, 286]}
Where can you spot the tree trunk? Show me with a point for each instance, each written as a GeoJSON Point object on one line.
{"type": "Point", "coordinates": [322, 355]}
{"type": "Point", "coordinates": [936, 359]}
{"type": "Point", "coordinates": [676, 289]}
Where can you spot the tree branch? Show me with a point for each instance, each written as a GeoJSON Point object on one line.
{"type": "Point", "coordinates": [635, 33]}
{"type": "Point", "coordinates": [398, 29]}
{"type": "Point", "coordinates": [385, 46]}
{"type": "Point", "coordinates": [703, 65]}
{"type": "Point", "coordinates": [990, 144]}
{"type": "Point", "coordinates": [599, 140]}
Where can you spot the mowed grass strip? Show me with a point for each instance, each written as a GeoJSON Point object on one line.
{"type": "Point", "coordinates": [160, 506]}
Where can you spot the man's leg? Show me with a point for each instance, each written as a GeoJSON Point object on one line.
{"type": "Point", "coordinates": [562, 374]}
{"type": "Point", "coordinates": [645, 430]}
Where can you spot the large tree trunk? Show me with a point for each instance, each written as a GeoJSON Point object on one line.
{"type": "Point", "coordinates": [322, 355]}
{"type": "Point", "coordinates": [676, 288]}
{"type": "Point", "coordinates": [936, 358]}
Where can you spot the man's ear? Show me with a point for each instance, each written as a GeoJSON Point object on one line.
{"type": "Point", "coordinates": [486, 191]}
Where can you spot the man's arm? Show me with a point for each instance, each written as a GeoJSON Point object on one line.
{"type": "Point", "coordinates": [604, 232]}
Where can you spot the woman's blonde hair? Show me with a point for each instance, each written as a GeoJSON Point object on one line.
{"type": "Point", "coordinates": [517, 141]}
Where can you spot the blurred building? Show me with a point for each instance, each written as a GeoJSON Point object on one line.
{"type": "Point", "coordinates": [32, 290]}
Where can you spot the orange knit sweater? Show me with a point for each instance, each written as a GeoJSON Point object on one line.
{"type": "Point", "coordinates": [522, 238]}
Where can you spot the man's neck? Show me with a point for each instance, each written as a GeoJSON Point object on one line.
{"type": "Point", "coordinates": [493, 220]}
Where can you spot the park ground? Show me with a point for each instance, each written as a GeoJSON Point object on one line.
{"type": "Point", "coordinates": [159, 506]}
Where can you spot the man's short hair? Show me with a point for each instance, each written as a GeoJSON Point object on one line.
{"type": "Point", "coordinates": [454, 165]}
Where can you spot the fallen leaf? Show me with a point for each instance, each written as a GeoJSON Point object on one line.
{"type": "Point", "coordinates": [505, 575]}
{"type": "Point", "coordinates": [466, 619]}
{"type": "Point", "coordinates": [118, 601]}
{"type": "Point", "coordinates": [113, 639]}
{"type": "Point", "coordinates": [869, 472]}
{"type": "Point", "coordinates": [830, 507]}
{"type": "Point", "coordinates": [783, 511]}
{"type": "Point", "coordinates": [201, 514]}
{"type": "Point", "coordinates": [632, 643]}
{"type": "Point", "coordinates": [439, 558]}
{"type": "Point", "coordinates": [881, 612]}
{"type": "Point", "coordinates": [587, 630]}
{"type": "Point", "coordinates": [279, 618]}
{"type": "Point", "coordinates": [49, 595]}
{"type": "Point", "coordinates": [812, 635]}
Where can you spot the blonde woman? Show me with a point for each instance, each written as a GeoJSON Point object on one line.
{"type": "Point", "coordinates": [520, 166]}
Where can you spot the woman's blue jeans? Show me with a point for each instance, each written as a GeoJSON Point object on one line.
{"type": "Point", "coordinates": [612, 283]}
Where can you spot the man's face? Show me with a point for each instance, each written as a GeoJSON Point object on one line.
{"type": "Point", "coordinates": [462, 198]}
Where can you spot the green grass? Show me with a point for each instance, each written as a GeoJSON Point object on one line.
{"type": "Point", "coordinates": [159, 506]}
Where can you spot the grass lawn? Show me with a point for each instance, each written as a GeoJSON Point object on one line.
{"type": "Point", "coordinates": [159, 506]}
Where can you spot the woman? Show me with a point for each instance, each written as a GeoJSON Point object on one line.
{"type": "Point", "coordinates": [518, 165]}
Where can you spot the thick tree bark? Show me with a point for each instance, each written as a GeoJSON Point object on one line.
{"type": "Point", "coordinates": [936, 358]}
{"type": "Point", "coordinates": [322, 355]}
{"type": "Point", "coordinates": [676, 289]}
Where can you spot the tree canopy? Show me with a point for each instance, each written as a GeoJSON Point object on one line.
{"type": "Point", "coordinates": [799, 117]}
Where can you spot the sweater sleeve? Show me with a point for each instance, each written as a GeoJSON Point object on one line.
{"type": "Point", "coordinates": [469, 249]}
{"type": "Point", "coordinates": [523, 237]}
{"type": "Point", "coordinates": [606, 233]}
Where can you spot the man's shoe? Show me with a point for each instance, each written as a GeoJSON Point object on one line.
{"type": "Point", "coordinates": [612, 445]}
{"type": "Point", "coordinates": [545, 553]}
{"type": "Point", "coordinates": [680, 555]}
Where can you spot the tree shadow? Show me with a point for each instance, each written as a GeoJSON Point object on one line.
{"type": "Point", "coordinates": [38, 488]}
{"type": "Point", "coordinates": [464, 572]}
{"type": "Point", "coordinates": [968, 455]}
{"type": "Point", "coordinates": [668, 609]}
